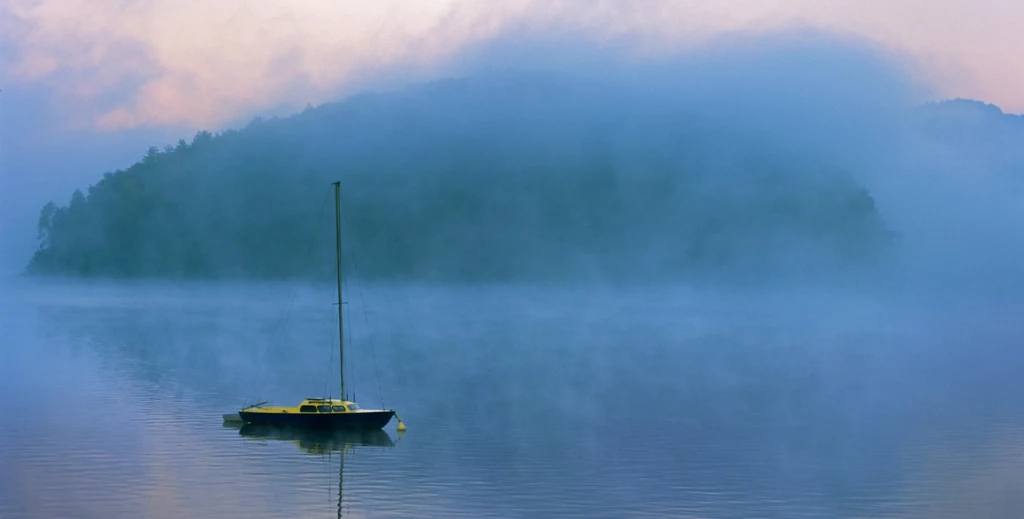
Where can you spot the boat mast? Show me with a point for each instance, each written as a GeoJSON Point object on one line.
{"type": "Point", "coordinates": [341, 332]}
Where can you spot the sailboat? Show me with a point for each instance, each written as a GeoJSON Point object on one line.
{"type": "Point", "coordinates": [323, 413]}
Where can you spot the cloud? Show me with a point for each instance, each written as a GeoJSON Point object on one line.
{"type": "Point", "coordinates": [131, 63]}
{"type": "Point", "coordinates": [164, 62]}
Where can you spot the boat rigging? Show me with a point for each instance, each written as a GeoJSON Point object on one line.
{"type": "Point", "coordinates": [323, 413]}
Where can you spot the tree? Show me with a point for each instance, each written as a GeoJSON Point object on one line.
{"type": "Point", "coordinates": [201, 137]}
{"type": "Point", "coordinates": [151, 155]}
{"type": "Point", "coordinates": [77, 201]}
{"type": "Point", "coordinates": [45, 226]}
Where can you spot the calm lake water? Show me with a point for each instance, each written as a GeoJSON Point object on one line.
{"type": "Point", "coordinates": [520, 402]}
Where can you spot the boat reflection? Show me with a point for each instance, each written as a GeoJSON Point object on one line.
{"type": "Point", "coordinates": [325, 442]}
{"type": "Point", "coordinates": [319, 442]}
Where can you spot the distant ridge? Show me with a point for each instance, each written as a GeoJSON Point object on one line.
{"type": "Point", "coordinates": [469, 180]}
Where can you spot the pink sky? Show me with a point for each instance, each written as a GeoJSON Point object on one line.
{"type": "Point", "coordinates": [118, 65]}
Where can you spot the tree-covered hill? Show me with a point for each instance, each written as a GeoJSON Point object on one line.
{"type": "Point", "coordinates": [470, 179]}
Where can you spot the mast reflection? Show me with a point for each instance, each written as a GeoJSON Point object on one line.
{"type": "Point", "coordinates": [325, 442]}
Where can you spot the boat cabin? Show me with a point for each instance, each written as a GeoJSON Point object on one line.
{"type": "Point", "coordinates": [312, 406]}
{"type": "Point", "coordinates": [324, 405]}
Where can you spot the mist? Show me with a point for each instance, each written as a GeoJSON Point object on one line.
{"type": "Point", "coordinates": [831, 113]}
{"type": "Point", "coordinates": [557, 235]}
{"type": "Point", "coordinates": [947, 175]}
{"type": "Point", "coordinates": [44, 158]}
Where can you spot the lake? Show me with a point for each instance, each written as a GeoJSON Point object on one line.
{"type": "Point", "coordinates": [520, 401]}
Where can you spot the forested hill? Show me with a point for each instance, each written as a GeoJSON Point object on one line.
{"type": "Point", "coordinates": [469, 179]}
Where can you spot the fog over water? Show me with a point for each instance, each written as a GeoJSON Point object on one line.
{"type": "Point", "coordinates": [890, 393]}
{"type": "Point", "coordinates": [520, 401]}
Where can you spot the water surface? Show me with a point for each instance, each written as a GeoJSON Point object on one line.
{"type": "Point", "coordinates": [520, 402]}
